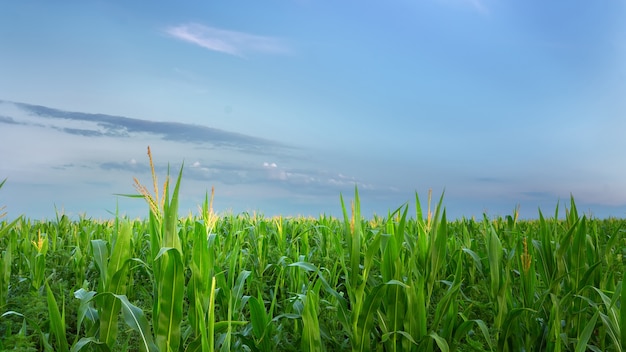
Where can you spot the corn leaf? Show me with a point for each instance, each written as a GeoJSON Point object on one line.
{"type": "Point", "coordinates": [91, 343]}
{"type": "Point", "coordinates": [57, 321]}
{"type": "Point", "coordinates": [622, 315]}
{"type": "Point", "coordinates": [136, 320]}
{"type": "Point", "coordinates": [170, 296]}
{"type": "Point", "coordinates": [258, 317]}
{"type": "Point", "coordinates": [440, 341]}
{"type": "Point", "coordinates": [311, 338]}
{"type": "Point", "coordinates": [85, 308]}
{"type": "Point", "coordinates": [101, 257]}
{"type": "Point", "coordinates": [583, 339]}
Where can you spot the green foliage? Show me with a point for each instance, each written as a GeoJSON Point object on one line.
{"type": "Point", "coordinates": [249, 283]}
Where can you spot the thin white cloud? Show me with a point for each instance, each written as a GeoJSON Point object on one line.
{"type": "Point", "coordinates": [225, 41]}
{"type": "Point", "coordinates": [479, 6]}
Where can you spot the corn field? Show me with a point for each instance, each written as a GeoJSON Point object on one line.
{"type": "Point", "coordinates": [402, 282]}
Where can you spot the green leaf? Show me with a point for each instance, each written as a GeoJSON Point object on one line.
{"type": "Point", "coordinates": [304, 265]}
{"type": "Point", "coordinates": [238, 290]}
{"type": "Point", "coordinates": [583, 339]}
{"type": "Point", "coordinates": [169, 299]}
{"type": "Point", "coordinates": [441, 342]}
{"type": "Point", "coordinates": [57, 323]}
{"type": "Point", "coordinates": [507, 326]}
{"type": "Point", "coordinates": [222, 326]}
{"type": "Point", "coordinates": [311, 338]}
{"type": "Point", "coordinates": [85, 308]}
{"type": "Point", "coordinates": [622, 320]}
{"type": "Point", "coordinates": [211, 324]}
{"type": "Point", "coordinates": [136, 320]}
{"type": "Point", "coordinates": [258, 317]}
{"type": "Point", "coordinates": [101, 257]}
{"type": "Point", "coordinates": [90, 342]}
{"type": "Point", "coordinates": [366, 317]}
{"type": "Point", "coordinates": [170, 216]}
{"type": "Point", "coordinates": [121, 252]}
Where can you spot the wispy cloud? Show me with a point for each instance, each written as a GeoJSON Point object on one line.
{"type": "Point", "coordinates": [225, 41]}
{"type": "Point", "coordinates": [97, 155]}
{"type": "Point", "coordinates": [479, 6]}
{"type": "Point", "coordinates": [101, 125]}
{"type": "Point", "coordinates": [7, 119]}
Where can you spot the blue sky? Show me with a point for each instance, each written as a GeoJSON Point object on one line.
{"type": "Point", "coordinates": [283, 105]}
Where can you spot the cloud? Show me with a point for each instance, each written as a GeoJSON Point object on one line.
{"type": "Point", "coordinates": [479, 6]}
{"type": "Point", "coordinates": [101, 125]}
{"type": "Point", "coordinates": [83, 132]}
{"type": "Point", "coordinates": [268, 176]}
{"type": "Point", "coordinates": [7, 120]}
{"type": "Point", "coordinates": [99, 154]}
{"type": "Point", "coordinates": [225, 41]}
{"type": "Point", "coordinates": [312, 181]}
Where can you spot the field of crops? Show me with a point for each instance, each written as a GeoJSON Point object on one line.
{"type": "Point", "coordinates": [403, 282]}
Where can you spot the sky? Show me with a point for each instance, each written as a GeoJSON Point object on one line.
{"type": "Point", "coordinates": [284, 105]}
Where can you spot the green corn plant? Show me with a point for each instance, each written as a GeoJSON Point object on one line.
{"type": "Point", "coordinates": [87, 318]}
{"type": "Point", "coordinates": [545, 246]}
{"type": "Point", "coordinates": [447, 320]}
{"type": "Point", "coordinates": [57, 321]}
{"type": "Point", "coordinates": [622, 312]}
{"type": "Point", "coordinates": [422, 230]}
{"type": "Point", "coordinates": [202, 260]}
{"type": "Point", "coordinates": [233, 300]}
{"type": "Point", "coordinates": [407, 307]}
{"type": "Point", "coordinates": [612, 314]}
{"type": "Point", "coordinates": [260, 321]}
{"type": "Point", "coordinates": [392, 268]}
{"type": "Point", "coordinates": [6, 261]}
{"type": "Point", "coordinates": [497, 282]}
{"type": "Point", "coordinates": [38, 261]}
{"type": "Point", "coordinates": [209, 337]}
{"type": "Point", "coordinates": [530, 296]}
{"type": "Point", "coordinates": [132, 315]}
{"type": "Point", "coordinates": [27, 322]}
{"type": "Point", "coordinates": [611, 251]}
{"type": "Point", "coordinates": [394, 283]}
{"type": "Point", "coordinates": [430, 255]}
{"type": "Point", "coordinates": [416, 323]}
{"type": "Point", "coordinates": [311, 338]}
{"type": "Point", "coordinates": [365, 300]}
{"type": "Point", "coordinates": [114, 278]}
{"type": "Point", "coordinates": [314, 287]}
{"type": "Point", "coordinates": [437, 233]}
{"type": "Point", "coordinates": [167, 259]}
{"type": "Point", "coordinates": [356, 280]}
{"type": "Point", "coordinates": [230, 280]}
{"type": "Point", "coordinates": [6, 256]}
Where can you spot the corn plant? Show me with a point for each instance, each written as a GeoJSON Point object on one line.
{"type": "Point", "coordinates": [6, 256]}
{"type": "Point", "coordinates": [113, 279]}
{"type": "Point", "coordinates": [167, 261]}
{"type": "Point", "coordinates": [244, 282]}
{"type": "Point", "coordinates": [57, 321]}
{"type": "Point", "coordinates": [200, 289]}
